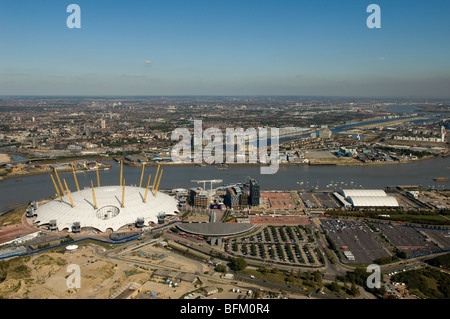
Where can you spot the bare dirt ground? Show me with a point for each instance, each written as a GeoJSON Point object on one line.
{"type": "Point", "coordinates": [4, 158]}
{"type": "Point", "coordinates": [11, 232]}
{"type": "Point", "coordinates": [197, 218]}
{"type": "Point", "coordinates": [47, 276]}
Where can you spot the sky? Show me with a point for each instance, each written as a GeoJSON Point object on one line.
{"type": "Point", "coordinates": [225, 47]}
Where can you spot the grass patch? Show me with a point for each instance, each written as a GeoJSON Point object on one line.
{"type": "Point", "coordinates": [12, 218]}
{"type": "Point", "coordinates": [310, 280]}
{"type": "Point", "coordinates": [15, 268]}
{"type": "Point", "coordinates": [440, 261]}
{"type": "Point", "coordinates": [426, 217]}
{"type": "Point", "coordinates": [426, 283]}
{"type": "Point", "coordinates": [46, 260]}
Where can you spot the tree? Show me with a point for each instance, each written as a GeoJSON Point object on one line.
{"type": "Point", "coordinates": [353, 290]}
{"type": "Point", "coordinates": [318, 277]}
{"type": "Point", "coordinates": [239, 263]}
{"type": "Point", "coordinates": [221, 268]}
{"type": "Point", "coordinates": [335, 286]}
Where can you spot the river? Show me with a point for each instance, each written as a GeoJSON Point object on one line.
{"type": "Point", "coordinates": [16, 191]}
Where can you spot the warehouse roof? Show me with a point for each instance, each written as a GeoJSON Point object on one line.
{"type": "Point", "coordinates": [363, 192]}
{"type": "Point", "coordinates": [373, 201]}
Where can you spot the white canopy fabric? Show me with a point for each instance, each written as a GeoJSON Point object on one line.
{"type": "Point", "coordinates": [373, 201]}
{"type": "Point", "coordinates": [363, 192]}
{"type": "Point", "coordinates": [108, 198]}
{"type": "Point", "coordinates": [366, 198]}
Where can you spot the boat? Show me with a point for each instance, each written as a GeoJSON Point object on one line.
{"type": "Point", "coordinates": [440, 179]}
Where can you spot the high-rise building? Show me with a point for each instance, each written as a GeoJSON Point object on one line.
{"type": "Point", "coordinates": [243, 199]}
{"type": "Point", "coordinates": [199, 198]}
{"type": "Point", "coordinates": [103, 124]}
{"type": "Point", "coordinates": [88, 131]}
{"type": "Point", "coordinates": [232, 197]}
{"type": "Point", "coordinates": [254, 192]}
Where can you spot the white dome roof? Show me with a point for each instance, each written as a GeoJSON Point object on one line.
{"type": "Point", "coordinates": [109, 213]}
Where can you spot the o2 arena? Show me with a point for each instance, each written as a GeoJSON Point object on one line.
{"type": "Point", "coordinates": [105, 207]}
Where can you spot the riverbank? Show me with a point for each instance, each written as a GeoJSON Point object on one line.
{"type": "Point", "coordinates": [341, 162]}
{"type": "Point", "coordinates": [393, 122]}
{"type": "Point", "coordinates": [17, 172]}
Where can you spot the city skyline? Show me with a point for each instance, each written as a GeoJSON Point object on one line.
{"type": "Point", "coordinates": [213, 48]}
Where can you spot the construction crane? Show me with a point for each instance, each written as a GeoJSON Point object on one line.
{"type": "Point", "coordinates": [212, 181]}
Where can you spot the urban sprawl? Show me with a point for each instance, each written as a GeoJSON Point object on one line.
{"type": "Point", "coordinates": [242, 240]}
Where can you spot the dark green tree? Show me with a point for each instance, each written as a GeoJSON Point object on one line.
{"type": "Point", "coordinates": [239, 263]}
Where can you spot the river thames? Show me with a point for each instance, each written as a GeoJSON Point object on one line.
{"type": "Point", "coordinates": [15, 191]}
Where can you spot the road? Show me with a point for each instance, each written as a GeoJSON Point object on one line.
{"type": "Point", "coordinates": [330, 270]}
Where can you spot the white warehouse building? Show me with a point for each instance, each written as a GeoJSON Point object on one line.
{"type": "Point", "coordinates": [366, 198]}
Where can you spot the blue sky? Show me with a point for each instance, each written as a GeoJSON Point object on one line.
{"type": "Point", "coordinates": [212, 47]}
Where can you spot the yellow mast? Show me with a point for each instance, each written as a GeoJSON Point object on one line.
{"type": "Point", "coordinates": [98, 178]}
{"type": "Point", "coordinates": [123, 194]}
{"type": "Point", "coordinates": [142, 174]}
{"type": "Point", "coordinates": [59, 182]}
{"type": "Point", "coordinates": [156, 177]}
{"type": "Point", "coordinates": [75, 178]}
{"type": "Point", "coordinates": [121, 167]}
{"type": "Point", "coordinates": [159, 180]}
{"type": "Point", "coordinates": [68, 192]}
{"type": "Point", "coordinates": [56, 188]}
{"type": "Point", "coordinates": [93, 195]}
{"type": "Point", "coordinates": [148, 184]}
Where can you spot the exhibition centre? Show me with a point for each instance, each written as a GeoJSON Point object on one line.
{"type": "Point", "coordinates": [365, 198]}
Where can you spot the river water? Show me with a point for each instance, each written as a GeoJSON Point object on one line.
{"type": "Point", "coordinates": [22, 190]}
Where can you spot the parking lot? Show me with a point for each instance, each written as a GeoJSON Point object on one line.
{"type": "Point", "coordinates": [411, 240]}
{"type": "Point", "coordinates": [357, 238]}
{"type": "Point", "coordinates": [309, 200]}
{"type": "Point", "coordinates": [441, 237]}
{"type": "Point", "coordinates": [326, 201]}
{"type": "Point", "coordinates": [283, 244]}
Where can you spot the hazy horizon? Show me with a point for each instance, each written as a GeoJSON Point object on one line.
{"type": "Point", "coordinates": [233, 48]}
